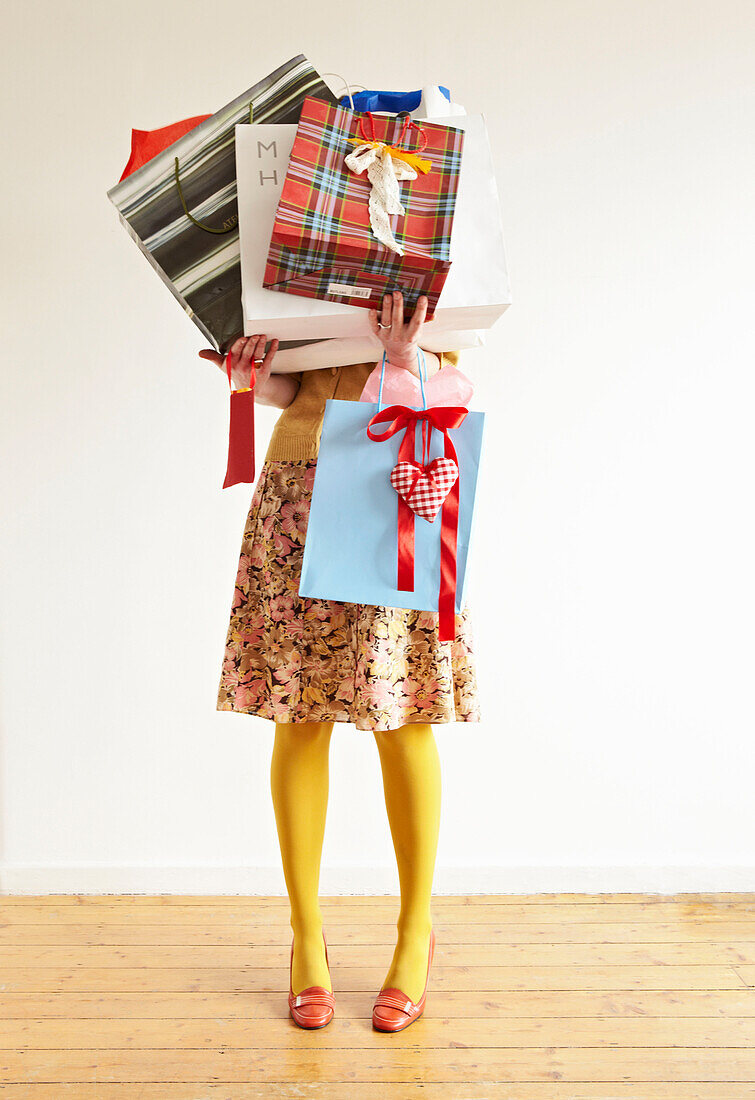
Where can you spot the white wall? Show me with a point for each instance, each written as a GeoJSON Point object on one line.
{"type": "Point", "coordinates": [613, 593]}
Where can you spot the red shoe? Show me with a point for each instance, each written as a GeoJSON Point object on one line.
{"type": "Point", "coordinates": [314, 1006]}
{"type": "Point", "coordinates": [393, 1011]}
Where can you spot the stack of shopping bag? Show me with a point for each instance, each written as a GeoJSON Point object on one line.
{"type": "Point", "coordinates": [291, 213]}
{"type": "Point", "coordinates": [305, 222]}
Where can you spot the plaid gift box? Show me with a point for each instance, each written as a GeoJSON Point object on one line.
{"type": "Point", "coordinates": [323, 244]}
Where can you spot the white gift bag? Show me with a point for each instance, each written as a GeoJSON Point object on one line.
{"type": "Point", "coordinates": [483, 275]}
{"type": "Point", "coordinates": [476, 290]}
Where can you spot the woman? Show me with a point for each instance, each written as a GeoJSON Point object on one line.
{"type": "Point", "coordinates": [307, 663]}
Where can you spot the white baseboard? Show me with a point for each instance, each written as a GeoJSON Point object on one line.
{"type": "Point", "coordinates": [100, 878]}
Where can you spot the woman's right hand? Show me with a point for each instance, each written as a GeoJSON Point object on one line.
{"type": "Point", "coordinates": [247, 355]}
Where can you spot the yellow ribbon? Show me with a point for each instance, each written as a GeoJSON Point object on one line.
{"type": "Point", "coordinates": [412, 159]}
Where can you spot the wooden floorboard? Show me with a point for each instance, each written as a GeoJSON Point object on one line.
{"type": "Point", "coordinates": [195, 932]}
{"type": "Point", "coordinates": [382, 1090]}
{"type": "Point", "coordinates": [311, 1062]}
{"type": "Point", "coordinates": [542, 997]}
{"type": "Point", "coordinates": [468, 1032]}
{"type": "Point", "coordinates": [383, 910]}
{"type": "Point", "coordinates": [368, 900]}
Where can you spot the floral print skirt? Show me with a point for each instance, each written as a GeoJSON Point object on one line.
{"type": "Point", "coordinates": [291, 658]}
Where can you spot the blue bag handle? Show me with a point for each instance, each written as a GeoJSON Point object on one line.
{"type": "Point", "coordinates": [422, 371]}
{"type": "Point", "coordinates": [393, 102]}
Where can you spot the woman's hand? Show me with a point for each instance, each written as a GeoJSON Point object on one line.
{"type": "Point", "coordinates": [401, 340]}
{"type": "Point", "coordinates": [247, 355]}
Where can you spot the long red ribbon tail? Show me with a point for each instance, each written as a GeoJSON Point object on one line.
{"type": "Point", "coordinates": [240, 466]}
{"type": "Point", "coordinates": [400, 418]}
{"type": "Point", "coordinates": [448, 534]}
{"type": "Point", "coordinates": [405, 521]}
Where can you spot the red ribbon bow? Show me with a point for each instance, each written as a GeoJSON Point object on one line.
{"type": "Point", "coordinates": [443, 417]}
{"type": "Point", "coordinates": [409, 124]}
{"type": "Point", "coordinates": [240, 432]}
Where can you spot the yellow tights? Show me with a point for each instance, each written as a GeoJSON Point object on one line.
{"type": "Point", "coordinates": [411, 782]}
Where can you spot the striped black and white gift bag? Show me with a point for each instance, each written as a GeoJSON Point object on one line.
{"type": "Point", "coordinates": [180, 207]}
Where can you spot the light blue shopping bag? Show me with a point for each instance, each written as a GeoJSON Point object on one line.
{"type": "Point", "coordinates": [350, 552]}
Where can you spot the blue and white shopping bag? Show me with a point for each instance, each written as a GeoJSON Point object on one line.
{"type": "Point", "coordinates": [385, 527]}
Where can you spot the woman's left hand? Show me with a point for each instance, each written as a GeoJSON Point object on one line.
{"type": "Point", "coordinates": [400, 339]}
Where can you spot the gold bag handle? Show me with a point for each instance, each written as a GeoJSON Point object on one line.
{"type": "Point", "coordinates": [187, 212]}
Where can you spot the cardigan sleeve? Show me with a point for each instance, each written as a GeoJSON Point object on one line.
{"type": "Point", "coordinates": [297, 375]}
{"type": "Point", "coordinates": [450, 357]}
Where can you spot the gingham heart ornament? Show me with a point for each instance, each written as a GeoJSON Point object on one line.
{"type": "Point", "coordinates": [425, 488]}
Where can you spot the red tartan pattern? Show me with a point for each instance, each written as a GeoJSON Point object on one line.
{"type": "Point", "coordinates": [322, 230]}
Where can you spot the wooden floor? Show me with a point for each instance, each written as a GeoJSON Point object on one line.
{"type": "Point", "coordinates": [550, 997]}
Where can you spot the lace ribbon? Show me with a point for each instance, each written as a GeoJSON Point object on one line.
{"type": "Point", "coordinates": [385, 165]}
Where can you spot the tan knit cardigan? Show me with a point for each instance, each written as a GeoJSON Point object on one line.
{"type": "Point", "coordinates": [296, 434]}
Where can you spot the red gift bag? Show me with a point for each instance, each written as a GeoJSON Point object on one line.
{"type": "Point", "coordinates": [339, 234]}
{"type": "Point", "coordinates": [146, 144]}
